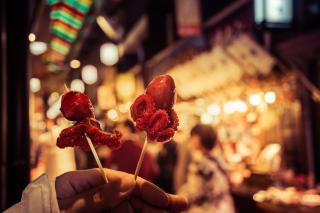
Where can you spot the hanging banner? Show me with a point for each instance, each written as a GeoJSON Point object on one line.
{"type": "Point", "coordinates": [66, 20]}
{"type": "Point", "coordinates": [188, 17]}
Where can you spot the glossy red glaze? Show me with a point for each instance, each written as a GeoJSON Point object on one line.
{"type": "Point", "coordinates": [162, 89]}
{"type": "Point", "coordinates": [76, 106]}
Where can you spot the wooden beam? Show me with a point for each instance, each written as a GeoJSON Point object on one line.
{"type": "Point", "coordinates": [214, 20]}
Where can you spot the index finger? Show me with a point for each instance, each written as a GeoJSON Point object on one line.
{"type": "Point", "coordinates": [177, 203]}
{"type": "Point", "coordinates": [151, 193]}
{"type": "Point", "coordinates": [155, 196]}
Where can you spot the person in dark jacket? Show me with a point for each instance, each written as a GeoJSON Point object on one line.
{"type": "Point", "coordinates": [126, 158]}
{"type": "Point", "coordinates": [167, 159]}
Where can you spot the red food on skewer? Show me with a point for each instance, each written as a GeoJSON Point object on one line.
{"type": "Point", "coordinates": [76, 106]}
{"type": "Point", "coordinates": [163, 91]}
{"type": "Point", "coordinates": [112, 140]}
{"type": "Point", "coordinates": [141, 111]}
{"type": "Point", "coordinates": [174, 120]}
{"type": "Point", "coordinates": [153, 111]}
{"type": "Point", "coordinates": [165, 135]}
{"type": "Point", "coordinates": [158, 121]}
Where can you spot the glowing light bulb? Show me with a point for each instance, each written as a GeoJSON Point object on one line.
{"type": "Point", "coordinates": [112, 115]}
{"type": "Point", "coordinates": [89, 74]}
{"type": "Point", "coordinates": [75, 64]}
{"type": "Point", "coordinates": [270, 97]}
{"type": "Point", "coordinates": [229, 107]}
{"type": "Point", "coordinates": [32, 37]}
{"type": "Point", "coordinates": [35, 85]}
{"type": "Point", "coordinates": [37, 47]}
{"type": "Point", "coordinates": [77, 85]}
{"type": "Point", "coordinates": [255, 100]}
{"type": "Point", "coordinates": [109, 54]}
{"type": "Point", "coordinates": [214, 109]}
{"type": "Point", "coordinates": [240, 106]}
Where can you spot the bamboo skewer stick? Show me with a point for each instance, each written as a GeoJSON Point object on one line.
{"type": "Point", "coordinates": [95, 155]}
{"type": "Point", "coordinates": [144, 149]}
{"type": "Point", "coordinates": [66, 88]}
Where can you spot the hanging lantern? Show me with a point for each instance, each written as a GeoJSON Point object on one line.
{"type": "Point", "coordinates": [37, 47]}
{"type": "Point", "coordinates": [35, 85]}
{"type": "Point", "coordinates": [89, 74]}
{"type": "Point", "coordinates": [75, 64]}
{"type": "Point", "coordinates": [255, 100]}
{"type": "Point", "coordinates": [77, 85]}
{"type": "Point", "coordinates": [109, 54]}
{"type": "Point", "coordinates": [270, 97]}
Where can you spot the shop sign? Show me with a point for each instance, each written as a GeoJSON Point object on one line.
{"type": "Point", "coordinates": [188, 17]}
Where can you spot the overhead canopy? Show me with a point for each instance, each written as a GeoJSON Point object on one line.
{"type": "Point", "coordinates": [220, 66]}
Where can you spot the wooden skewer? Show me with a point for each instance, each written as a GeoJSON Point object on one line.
{"type": "Point", "coordinates": [66, 88]}
{"type": "Point", "coordinates": [95, 155]}
{"type": "Point", "coordinates": [144, 149]}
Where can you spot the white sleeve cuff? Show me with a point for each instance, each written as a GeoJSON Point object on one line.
{"type": "Point", "coordinates": [38, 197]}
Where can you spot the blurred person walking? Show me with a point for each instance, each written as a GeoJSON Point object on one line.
{"type": "Point", "coordinates": [207, 185]}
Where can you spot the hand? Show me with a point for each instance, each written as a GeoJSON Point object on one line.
{"type": "Point", "coordinates": [86, 191]}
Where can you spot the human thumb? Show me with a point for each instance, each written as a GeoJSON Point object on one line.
{"type": "Point", "coordinates": [102, 197]}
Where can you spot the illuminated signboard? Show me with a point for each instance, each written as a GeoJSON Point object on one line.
{"type": "Point", "coordinates": [273, 13]}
